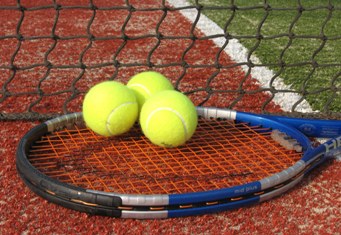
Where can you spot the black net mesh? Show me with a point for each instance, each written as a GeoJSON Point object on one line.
{"type": "Point", "coordinates": [259, 56]}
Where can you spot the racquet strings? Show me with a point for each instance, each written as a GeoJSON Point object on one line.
{"type": "Point", "coordinates": [221, 154]}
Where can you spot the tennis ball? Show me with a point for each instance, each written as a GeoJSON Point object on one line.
{"type": "Point", "coordinates": [110, 108]}
{"type": "Point", "coordinates": [148, 83]}
{"type": "Point", "coordinates": [168, 118]}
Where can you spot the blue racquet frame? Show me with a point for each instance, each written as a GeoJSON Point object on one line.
{"type": "Point", "coordinates": [114, 204]}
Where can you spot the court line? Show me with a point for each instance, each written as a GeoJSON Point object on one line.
{"type": "Point", "coordinates": [239, 54]}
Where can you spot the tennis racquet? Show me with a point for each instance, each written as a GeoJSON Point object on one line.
{"type": "Point", "coordinates": [234, 159]}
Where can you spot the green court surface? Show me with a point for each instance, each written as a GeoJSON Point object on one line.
{"type": "Point", "coordinates": [300, 43]}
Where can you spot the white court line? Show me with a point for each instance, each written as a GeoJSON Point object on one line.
{"type": "Point", "coordinates": [239, 54]}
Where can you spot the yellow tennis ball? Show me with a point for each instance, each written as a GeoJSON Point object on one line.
{"type": "Point", "coordinates": [148, 83]}
{"type": "Point", "coordinates": [168, 118]}
{"type": "Point", "coordinates": [110, 108]}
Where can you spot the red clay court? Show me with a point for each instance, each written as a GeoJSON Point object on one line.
{"type": "Point", "coordinates": [52, 52]}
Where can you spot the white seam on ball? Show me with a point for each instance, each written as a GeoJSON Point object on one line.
{"type": "Point", "coordinates": [107, 123]}
{"type": "Point", "coordinates": [171, 110]}
{"type": "Point", "coordinates": [142, 87]}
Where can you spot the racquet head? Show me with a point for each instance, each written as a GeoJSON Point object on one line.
{"type": "Point", "coordinates": [234, 159]}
